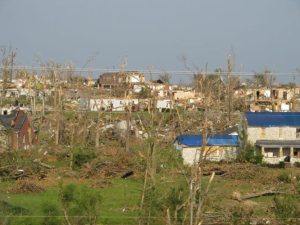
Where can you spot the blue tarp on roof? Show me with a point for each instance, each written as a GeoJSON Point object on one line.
{"type": "Point", "coordinates": [213, 140]}
{"type": "Point", "coordinates": [273, 119]}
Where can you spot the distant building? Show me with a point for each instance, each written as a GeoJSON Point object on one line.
{"type": "Point", "coordinates": [183, 95]}
{"type": "Point", "coordinates": [276, 134]}
{"type": "Point", "coordinates": [276, 99]}
{"type": "Point", "coordinates": [16, 131]}
{"type": "Point", "coordinates": [113, 80]}
{"type": "Point", "coordinates": [219, 147]}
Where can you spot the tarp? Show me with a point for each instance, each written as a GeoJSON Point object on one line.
{"type": "Point", "coordinates": [213, 140]}
{"type": "Point", "coordinates": [273, 119]}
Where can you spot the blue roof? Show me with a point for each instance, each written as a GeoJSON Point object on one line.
{"type": "Point", "coordinates": [213, 140]}
{"type": "Point", "coordinates": [273, 119]}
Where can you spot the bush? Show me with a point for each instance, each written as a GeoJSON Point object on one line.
{"type": "Point", "coordinates": [240, 215]}
{"type": "Point", "coordinates": [51, 213]}
{"type": "Point", "coordinates": [285, 178]}
{"type": "Point", "coordinates": [250, 153]}
{"type": "Point", "coordinates": [285, 209]}
{"type": "Point", "coordinates": [81, 204]}
{"type": "Point", "coordinates": [281, 164]}
{"type": "Point", "coordinates": [297, 164]}
{"type": "Point", "coordinates": [82, 156]}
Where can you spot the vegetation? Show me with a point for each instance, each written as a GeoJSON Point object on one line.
{"type": "Point", "coordinates": [121, 168]}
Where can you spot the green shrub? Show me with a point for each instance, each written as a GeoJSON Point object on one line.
{"type": "Point", "coordinates": [82, 156]}
{"type": "Point", "coordinates": [81, 204]}
{"type": "Point", "coordinates": [250, 153]}
{"type": "Point", "coordinates": [285, 208]}
{"type": "Point", "coordinates": [51, 213]}
{"type": "Point", "coordinates": [285, 178]}
{"type": "Point", "coordinates": [240, 215]}
{"type": "Point", "coordinates": [297, 164]}
{"type": "Point", "coordinates": [281, 164]}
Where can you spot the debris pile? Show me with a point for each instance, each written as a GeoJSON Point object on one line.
{"type": "Point", "coordinates": [26, 187]}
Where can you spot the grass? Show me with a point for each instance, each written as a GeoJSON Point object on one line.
{"type": "Point", "coordinates": [120, 200]}
{"type": "Point", "coordinates": [119, 203]}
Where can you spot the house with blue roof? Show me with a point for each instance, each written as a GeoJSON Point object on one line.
{"type": "Point", "coordinates": [218, 147]}
{"type": "Point", "coordinates": [276, 134]}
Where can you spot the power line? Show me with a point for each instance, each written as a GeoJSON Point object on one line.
{"type": "Point", "coordinates": [148, 72]}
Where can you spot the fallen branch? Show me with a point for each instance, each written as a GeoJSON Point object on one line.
{"type": "Point", "coordinates": [38, 161]}
{"type": "Point", "coordinates": [237, 195]}
{"type": "Point", "coordinates": [259, 194]}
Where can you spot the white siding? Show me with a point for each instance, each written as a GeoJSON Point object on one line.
{"type": "Point", "coordinates": [271, 133]}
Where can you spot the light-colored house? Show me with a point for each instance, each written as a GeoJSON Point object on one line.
{"type": "Point", "coordinates": [159, 88]}
{"type": "Point", "coordinates": [218, 147]}
{"type": "Point", "coordinates": [164, 104]}
{"type": "Point", "coordinates": [276, 134]}
{"type": "Point", "coordinates": [115, 105]}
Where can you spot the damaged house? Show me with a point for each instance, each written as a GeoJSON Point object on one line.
{"type": "Point", "coordinates": [118, 83]}
{"type": "Point", "coordinates": [16, 131]}
{"type": "Point", "coordinates": [277, 99]}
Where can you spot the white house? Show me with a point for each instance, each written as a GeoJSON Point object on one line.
{"type": "Point", "coordinates": [276, 134]}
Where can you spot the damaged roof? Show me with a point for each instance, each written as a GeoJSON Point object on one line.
{"type": "Point", "coordinates": [8, 120]}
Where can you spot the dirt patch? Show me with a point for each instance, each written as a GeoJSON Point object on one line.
{"type": "Point", "coordinates": [26, 187]}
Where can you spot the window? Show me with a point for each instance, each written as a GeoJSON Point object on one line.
{"type": "Point", "coordinates": [284, 95]}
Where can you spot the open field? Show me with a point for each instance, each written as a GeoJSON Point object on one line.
{"type": "Point", "coordinates": [121, 197]}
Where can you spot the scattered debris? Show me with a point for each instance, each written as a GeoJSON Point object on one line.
{"type": "Point", "coordinates": [43, 164]}
{"type": "Point", "coordinates": [127, 174]}
{"type": "Point", "coordinates": [26, 187]}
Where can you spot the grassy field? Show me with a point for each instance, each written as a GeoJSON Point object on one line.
{"type": "Point", "coordinates": [119, 203]}
{"type": "Point", "coordinates": [120, 199]}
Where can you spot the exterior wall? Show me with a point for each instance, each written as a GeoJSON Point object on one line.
{"type": "Point", "coordinates": [23, 138]}
{"type": "Point", "coordinates": [191, 155]}
{"type": "Point", "coordinates": [164, 104]}
{"type": "Point", "coordinates": [117, 105]}
{"type": "Point", "coordinates": [293, 160]}
{"type": "Point", "coordinates": [271, 133]}
{"type": "Point", "coordinates": [274, 160]}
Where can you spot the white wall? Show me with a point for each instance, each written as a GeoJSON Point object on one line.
{"type": "Point", "coordinates": [117, 105]}
{"type": "Point", "coordinates": [271, 133]}
{"type": "Point", "coordinates": [191, 155]}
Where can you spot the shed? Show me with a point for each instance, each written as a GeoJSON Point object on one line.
{"type": "Point", "coordinates": [219, 147]}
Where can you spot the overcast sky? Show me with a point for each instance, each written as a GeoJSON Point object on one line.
{"type": "Point", "coordinates": [155, 33]}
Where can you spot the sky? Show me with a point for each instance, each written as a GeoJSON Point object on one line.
{"type": "Point", "coordinates": [156, 34]}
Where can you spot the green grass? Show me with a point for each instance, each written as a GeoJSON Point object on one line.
{"type": "Point", "coordinates": [120, 200]}
{"type": "Point", "coordinates": [119, 203]}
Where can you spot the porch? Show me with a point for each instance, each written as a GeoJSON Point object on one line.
{"type": "Point", "coordinates": [275, 151]}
